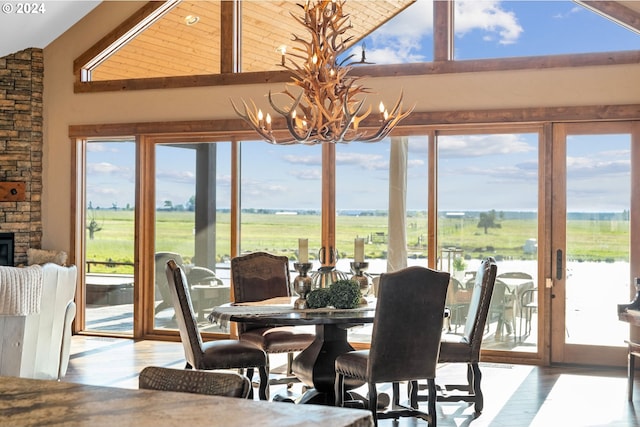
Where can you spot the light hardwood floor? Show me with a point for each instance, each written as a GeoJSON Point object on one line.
{"type": "Point", "coordinates": [515, 395]}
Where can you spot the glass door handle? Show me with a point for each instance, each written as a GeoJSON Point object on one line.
{"type": "Point", "coordinates": [559, 264]}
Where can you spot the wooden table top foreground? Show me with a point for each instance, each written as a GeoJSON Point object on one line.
{"type": "Point", "coordinates": [29, 402]}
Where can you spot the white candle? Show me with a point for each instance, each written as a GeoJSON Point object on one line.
{"type": "Point", "coordinates": [303, 250]}
{"type": "Point", "coordinates": [358, 253]}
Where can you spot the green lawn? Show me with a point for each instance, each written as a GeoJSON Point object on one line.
{"type": "Point", "coordinates": [279, 234]}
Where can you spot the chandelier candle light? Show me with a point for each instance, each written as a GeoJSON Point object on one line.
{"type": "Point", "coordinates": [327, 109]}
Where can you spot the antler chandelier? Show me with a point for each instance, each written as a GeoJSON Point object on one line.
{"type": "Point", "coordinates": [326, 110]}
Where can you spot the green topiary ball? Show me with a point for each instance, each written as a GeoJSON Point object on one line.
{"type": "Point", "coordinates": [318, 298]}
{"type": "Point", "coordinates": [345, 294]}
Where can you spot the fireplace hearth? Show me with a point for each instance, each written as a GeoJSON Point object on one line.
{"type": "Point", "coordinates": [6, 249]}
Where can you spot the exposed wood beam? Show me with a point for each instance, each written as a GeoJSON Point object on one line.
{"type": "Point", "coordinates": [614, 11]}
{"type": "Point", "coordinates": [440, 67]}
{"type": "Point", "coordinates": [443, 30]}
{"type": "Point", "coordinates": [417, 121]}
{"type": "Point", "coordinates": [230, 36]}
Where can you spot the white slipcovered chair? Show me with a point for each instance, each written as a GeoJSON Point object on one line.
{"type": "Point", "coordinates": [36, 312]}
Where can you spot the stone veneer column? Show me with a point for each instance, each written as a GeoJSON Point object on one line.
{"type": "Point", "coordinates": [21, 86]}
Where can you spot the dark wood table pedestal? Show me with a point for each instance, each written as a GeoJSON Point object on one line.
{"type": "Point", "coordinates": [315, 366]}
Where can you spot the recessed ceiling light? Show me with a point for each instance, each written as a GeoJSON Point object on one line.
{"type": "Point", "coordinates": [191, 19]}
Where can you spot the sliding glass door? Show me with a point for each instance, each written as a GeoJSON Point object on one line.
{"type": "Point", "coordinates": [591, 242]}
{"type": "Point", "coordinates": [192, 226]}
{"type": "Point", "coordinates": [109, 235]}
{"type": "Point", "coordinates": [488, 186]}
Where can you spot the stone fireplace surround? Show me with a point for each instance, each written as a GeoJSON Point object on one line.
{"type": "Point", "coordinates": [21, 88]}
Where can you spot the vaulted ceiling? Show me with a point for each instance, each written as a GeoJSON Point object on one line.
{"type": "Point", "coordinates": [185, 39]}
{"type": "Point", "coordinates": [21, 32]}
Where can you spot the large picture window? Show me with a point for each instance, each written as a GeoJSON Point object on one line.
{"type": "Point", "coordinates": [488, 206]}
{"type": "Point", "coordinates": [192, 226]}
{"type": "Point", "coordinates": [109, 235]}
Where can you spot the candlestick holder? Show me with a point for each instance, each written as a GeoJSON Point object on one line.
{"type": "Point", "coordinates": [358, 268]}
{"type": "Point", "coordinates": [301, 284]}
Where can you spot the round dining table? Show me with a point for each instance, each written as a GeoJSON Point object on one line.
{"type": "Point", "coordinates": [315, 365]}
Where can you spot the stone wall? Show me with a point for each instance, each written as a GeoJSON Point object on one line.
{"type": "Point", "coordinates": [21, 85]}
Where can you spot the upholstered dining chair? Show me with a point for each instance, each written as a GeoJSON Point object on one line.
{"type": "Point", "coordinates": [219, 354]}
{"type": "Point", "coordinates": [258, 276]}
{"type": "Point", "coordinates": [216, 383]}
{"type": "Point", "coordinates": [404, 342]}
{"type": "Point", "coordinates": [465, 348]}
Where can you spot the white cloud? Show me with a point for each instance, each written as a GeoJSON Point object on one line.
{"type": "Point", "coordinates": [97, 147]}
{"type": "Point", "coordinates": [253, 188]}
{"type": "Point", "coordinates": [413, 23]}
{"type": "Point", "coordinates": [102, 190]}
{"type": "Point", "coordinates": [303, 160]}
{"type": "Point", "coordinates": [105, 147]}
{"type": "Point", "coordinates": [105, 168]}
{"type": "Point", "coordinates": [363, 161]}
{"type": "Point", "coordinates": [401, 53]}
{"type": "Point", "coordinates": [573, 10]}
{"type": "Point", "coordinates": [415, 163]}
{"type": "Point", "coordinates": [588, 167]}
{"type": "Point", "coordinates": [527, 172]}
{"type": "Point", "coordinates": [307, 174]}
{"type": "Point", "coordinates": [223, 180]}
{"type": "Point", "coordinates": [487, 16]}
{"type": "Point", "coordinates": [401, 40]}
{"type": "Point", "coordinates": [177, 176]}
{"type": "Point", "coordinates": [482, 145]}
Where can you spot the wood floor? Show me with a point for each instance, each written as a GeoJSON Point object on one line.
{"type": "Point", "coordinates": [515, 395]}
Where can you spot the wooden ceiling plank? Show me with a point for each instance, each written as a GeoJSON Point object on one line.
{"type": "Point", "coordinates": [108, 43]}
{"type": "Point", "coordinates": [162, 55]}
{"type": "Point", "coordinates": [190, 44]}
{"type": "Point", "coordinates": [160, 66]}
{"type": "Point", "coordinates": [199, 44]}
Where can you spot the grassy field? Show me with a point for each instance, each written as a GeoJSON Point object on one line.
{"type": "Point", "coordinates": [590, 240]}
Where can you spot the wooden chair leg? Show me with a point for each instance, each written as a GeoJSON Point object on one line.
{"type": "Point", "coordinates": [431, 403]}
{"type": "Point", "coordinates": [477, 378]}
{"type": "Point", "coordinates": [290, 364]}
{"type": "Point", "coordinates": [373, 402]}
{"type": "Point", "coordinates": [413, 394]}
{"type": "Point", "coordinates": [263, 389]}
{"type": "Point", "coordinates": [630, 373]}
{"type": "Point", "coordinates": [249, 374]}
{"type": "Point", "coordinates": [395, 387]}
{"type": "Point", "coordinates": [339, 390]}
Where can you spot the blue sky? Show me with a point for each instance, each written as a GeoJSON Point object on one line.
{"type": "Point", "coordinates": [289, 177]}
